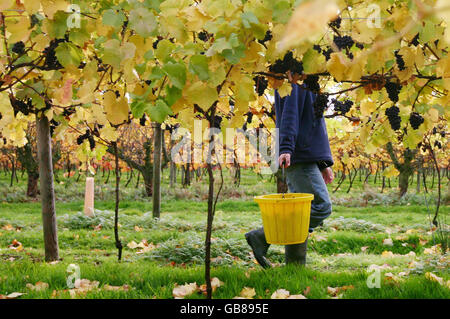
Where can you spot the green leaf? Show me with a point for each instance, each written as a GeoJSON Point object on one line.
{"type": "Point", "coordinates": [58, 26]}
{"type": "Point", "coordinates": [199, 65]}
{"type": "Point", "coordinates": [138, 108]}
{"type": "Point", "coordinates": [143, 21]}
{"type": "Point", "coordinates": [281, 11]}
{"type": "Point", "coordinates": [68, 54]}
{"type": "Point", "coordinates": [164, 49]}
{"type": "Point", "coordinates": [113, 18]}
{"type": "Point", "coordinates": [173, 94]}
{"type": "Point", "coordinates": [159, 111]}
{"type": "Point", "coordinates": [249, 18]}
{"type": "Point", "coordinates": [176, 73]}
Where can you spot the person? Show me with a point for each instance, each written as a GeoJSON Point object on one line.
{"type": "Point", "coordinates": [304, 149]}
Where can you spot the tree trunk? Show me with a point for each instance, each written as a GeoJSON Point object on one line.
{"type": "Point", "coordinates": [148, 183]}
{"type": "Point", "coordinates": [403, 181]}
{"type": "Point", "coordinates": [157, 138]}
{"type": "Point", "coordinates": [116, 211]}
{"type": "Point", "coordinates": [47, 188]}
{"type": "Point", "coordinates": [32, 187]}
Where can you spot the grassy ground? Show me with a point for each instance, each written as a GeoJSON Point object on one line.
{"type": "Point", "coordinates": [357, 236]}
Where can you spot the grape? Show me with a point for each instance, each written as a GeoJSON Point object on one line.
{"type": "Point", "coordinates": [393, 117]}
{"type": "Point", "coordinates": [415, 119]}
{"type": "Point", "coordinates": [19, 48]}
{"type": "Point", "coordinates": [350, 55]}
{"type": "Point", "coordinates": [142, 120]}
{"type": "Point", "coordinates": [204, 36]}
{"type": "Point", "coordinates": [415, 40]}
{"type": "Point", "coordinates": [317, 48]}
{"type": "Point", "coordinates": [217, 121]}
{"type": "Point", "coordinates": [393, 89]}
{"type": "Point", "coordinates": [91, 142]}
{"type": "Point", "coordinates": [267, 37]}
{"type": "Point", "coordinates": [288, 63]}
{"type": "Point", "coordinates": [443, 134]}
{"type": "Point", "coordinates": [68, 111]}
{"type": "Point", "coordinates": [261, 84]}
{"type": "Point", "coordinates": [400, 61]}
{"type": "Point", "coordinates": [343, 42]}
{"type": "Point", "coordinates": [359, 45]}
{"type": "Point", "coordinates": [312, 83]}
{"type": "Point", "coordinates": [336, 23]}
{"type": "Point", "coordinates": [327, 53]}
{"type": "Point", "coordinates": [249, 117]}
{"type": "Point", "coordinates": [155, 44]}
{"type": "Point", "coordinates": [435, 130]}
{"type": "Point", "coordinates": [438, 144]}
{"type": "Point", "coordinates": [51, 62]}
{"type": "Point", "coordinates": [320, 105]}
{"type": "Point", "coordinates": [342, 107]}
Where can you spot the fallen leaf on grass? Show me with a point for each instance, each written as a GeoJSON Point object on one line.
{"type": "Point", "coordinates": [8, 227]}
{"type": "Point", "coordinates": [433, 250]}
{"type": "Point", "coordinates": [364, 248]}
{"type": "Point", "coordinates": [138, 229]}
{"type": "Point", "coordinates": [307, 291]}
{"type": "Point", "coordinates": [143, 245]}
{"type": "Point", "coordinates": [179, 292]}
{"type": "Point", "coordinates": [391, 277]}
{"type": "Point", "coordinates": [116, 288]}
{"type": "Point", "coordinates": [388, 242]}
{"type": "Point", "coordinates": [335, 292]}
{"type": "Point", "coordinates": [215, 283]}
{"type": "Point", "coordinates": [39, 286]}
{"type": "Point", "coordinates": [280, 294]}
{"type": "Point", "coordinates": [13, 295]}
{"type": "Point", "coordinates": [432, 277]}
{"type": "Point", "coordinates": [16, 245]}
{"type": "Point", "coordinates": [246, 293]}
{"type": "Point", "coordinates": [387, 253]}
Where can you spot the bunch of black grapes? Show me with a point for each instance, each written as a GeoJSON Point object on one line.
{"type": "Point", "coordinates": [312, 83]}
{"type": "Point", "coordinates": [204, 36]}
{"type": "Point", "coordinates": [19, 48]}
{"type": "Point", "coordinates": [217, 121]}
{"type": "Point", "coordinates": [343, 42]}
{"type": "Point", "coordinates": [261, 84]}
{"type": "Point", "coordinates": [393, 89]}
{"type": "Point", "coordinates": [326, 53]}
{"type": "Point", "coordinates": [336, 23]}
{"type": "Point", "coordinates": [320, 105]}
{"type": "Point", "coordinates": [89, 137]}
{"type": "Point", "coordinates": [51, 62]}
{"type": "Point", "coordinates": [53, 125]}
{"type": "Point", "coordinates": [393, 117]}
{"type": "Point", "coordinates": [415, 119]}
{"type": "Point", "coordinates": [26, 107]}
{"type": "Point", "coordinates": [143, 120]}
{"type": "Point", "coordinates": [400, 61]}
{"type": "Point", "coordinates": [288, 63]}
{"type": "Point", "coordinates": [342, 107]}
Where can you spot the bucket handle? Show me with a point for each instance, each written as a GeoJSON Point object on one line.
{"type": "Point", "coordinates": [283, 176]}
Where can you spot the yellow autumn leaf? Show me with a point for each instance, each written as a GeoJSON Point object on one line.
{"type": "Point", "coordinates": [390, 171]}
{"type": "Point", "coordinates": [337, 65]}
{"type": "Point", "coordinates": [280, 294]}
{"type": "Point", "coordinates": [247, 293]}
{"type": "Point", "coordinates": [179, 292]}
{"type": "Point", "coordinates": [309, 19]}
{"type": "Point", "coordinates": [201, 94]}
{"type": "Point", "coordinates": [116, 109]}
{"type": "Point", "coordinates": [39, 286]}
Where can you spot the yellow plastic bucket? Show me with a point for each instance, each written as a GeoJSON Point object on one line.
{"type": "Point", "coordinates": [285, 220]}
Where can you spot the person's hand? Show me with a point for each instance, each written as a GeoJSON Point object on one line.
{"type": "Point", "coordinates": [327, 175]}
{"type": "Point", "coordinates": [286, 159]}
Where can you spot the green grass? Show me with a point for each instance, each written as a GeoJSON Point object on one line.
{"type": "Point", "coordinates": [339, 253]}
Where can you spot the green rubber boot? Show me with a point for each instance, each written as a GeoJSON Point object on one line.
{"type": "Point", "coordinates": [296, 254]}
{"type": "Point", "coordinates": [257, 241]}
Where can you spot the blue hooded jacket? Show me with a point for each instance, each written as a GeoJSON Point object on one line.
{"type": "Point", "coordinates": [301, 133]}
